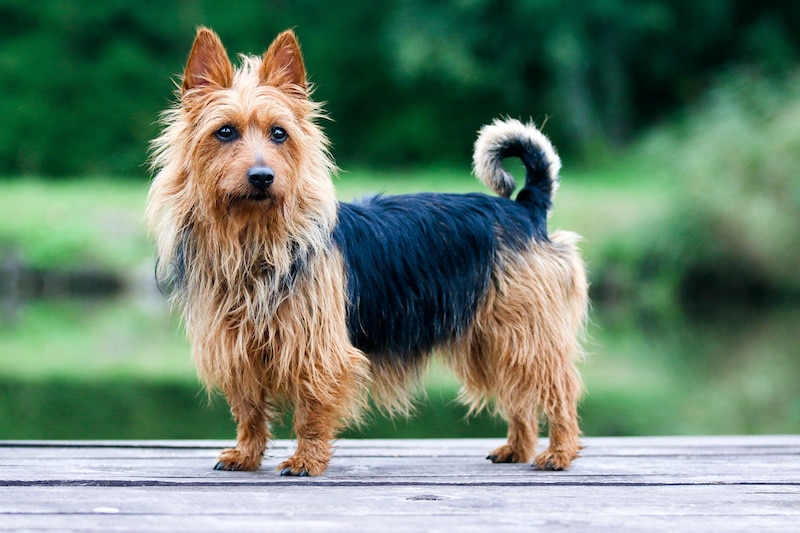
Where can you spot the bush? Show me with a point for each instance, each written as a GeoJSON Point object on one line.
{"type": "Point", "coordinates": [407, 82]}
{"type": "Point", "coordinates": [734, 161]}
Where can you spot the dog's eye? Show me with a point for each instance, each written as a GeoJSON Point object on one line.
{"type": "Point", "coordinates": [278, 134]}
{"type": "Point", "coordinates": [226, 133]}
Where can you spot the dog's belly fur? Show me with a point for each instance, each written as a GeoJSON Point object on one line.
{"type": "Point", "coordinates": [418, 266]}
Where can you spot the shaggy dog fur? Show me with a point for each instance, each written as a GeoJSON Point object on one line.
{"type": "Point", "coordinates": [293, 299]}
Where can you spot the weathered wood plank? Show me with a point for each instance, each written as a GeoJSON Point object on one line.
{"type": "Point", "coordinates": [657, 484]}
{"type": "Point", "coordinates": [409, 508]}
{"type": "Point", "coordinates": [634, 461]}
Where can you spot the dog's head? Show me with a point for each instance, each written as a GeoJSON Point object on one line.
{"type": "Point", "coordinates": [243, 143]}
{"type": "Point", "coordinates": [243, 173]}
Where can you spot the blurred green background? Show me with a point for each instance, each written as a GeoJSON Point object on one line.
{"type": "Point", "coordinates": [678, 123]}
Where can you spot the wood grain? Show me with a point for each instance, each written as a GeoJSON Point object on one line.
{"type": "Point", "coordinates": [620, 484]}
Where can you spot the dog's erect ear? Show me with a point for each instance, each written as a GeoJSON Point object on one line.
{"type": "Point", "coordinates": [283, 66]}
{"type": "Point", "coordinates": [208, 63]}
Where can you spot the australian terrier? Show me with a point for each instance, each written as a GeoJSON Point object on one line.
{"type": "Point", "coordinates": [292, 299]}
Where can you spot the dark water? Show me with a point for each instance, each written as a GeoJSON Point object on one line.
{"type": "Point", "coordinates": [119, 369]}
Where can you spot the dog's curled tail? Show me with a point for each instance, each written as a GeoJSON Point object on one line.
{"type": "Point", "coordinates": [512, 138]}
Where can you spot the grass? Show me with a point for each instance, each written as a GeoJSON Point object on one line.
{"type": "Point", "coordinates": [98, 222]}
{"type": "Point", "coordinates": [71, 224]}
{"type": "Point", "coordinates": [84, 340]}
{"type": "Point", "coordinates": [109, 355]}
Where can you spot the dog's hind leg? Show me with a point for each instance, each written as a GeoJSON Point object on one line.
{"type": "Point", "coordinates": [561, 387]}
{"type": "Point", "coordinates": [559, 405]}
{"type": "Point", "coordinates": [523, 350]}
{"type": "Point", "coordinates": [545, 384]}
{"type": "Point", "coordinates": [486, 366]}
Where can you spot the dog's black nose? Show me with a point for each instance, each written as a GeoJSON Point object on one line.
{"type": "Point", "coordinates": [261, 177]}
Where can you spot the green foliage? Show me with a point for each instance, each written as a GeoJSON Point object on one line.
{"type": "Point", "coordinates": [407, 82]}
{"type": "Point", "coordinates": [741, 172]}
{"type": "Point", "coordinates": [729, 371]}
{"type": "Point", "coordinates": [733, 160]}
{"type": "Point", "coordinates": [116, 409]}
{"type": "Point", "coordinates": [128, 409]}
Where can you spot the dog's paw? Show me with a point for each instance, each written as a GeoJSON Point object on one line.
{"type": "Point", "coordinates": [288, 471]}
{"type": "Point", "coordinates": [554, 459]}
{"type": "Point", "coordinates": [298, 466]}
{"type": "Point", "coordinates": [233, 459]}
{"type": "Point", "coordinates": [506, 454]}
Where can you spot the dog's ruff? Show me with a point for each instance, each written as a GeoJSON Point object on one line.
{"type": "Point", "coordinates": [292, 299]}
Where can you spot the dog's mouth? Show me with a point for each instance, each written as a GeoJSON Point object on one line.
{"type": "Point", "coordinates": [255, 198]}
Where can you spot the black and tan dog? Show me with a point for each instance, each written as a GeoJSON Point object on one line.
{"type": "Point", "coordinates": [293, 299]}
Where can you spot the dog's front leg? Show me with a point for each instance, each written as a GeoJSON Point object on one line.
{"type": "Point", "coordinates": [315, 424]}
{"type": "Point", "coordinates": [252, 431]}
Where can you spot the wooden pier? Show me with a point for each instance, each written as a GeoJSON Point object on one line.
{"type": "Point", "coordinates": [619, 484]}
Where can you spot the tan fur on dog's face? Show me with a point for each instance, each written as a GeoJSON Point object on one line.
{"type": "Point", "coordinates": [253, 114]}
{"type": "Point", "coordinates": [202, 182]}
{"type": "Point", "coordinates": [252, 117]}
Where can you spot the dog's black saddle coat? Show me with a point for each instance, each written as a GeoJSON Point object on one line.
{"type": "Point", "coordinates": [418, 265]}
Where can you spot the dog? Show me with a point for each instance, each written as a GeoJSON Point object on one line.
{"type": "Point", "coordinates": [294, 300]}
